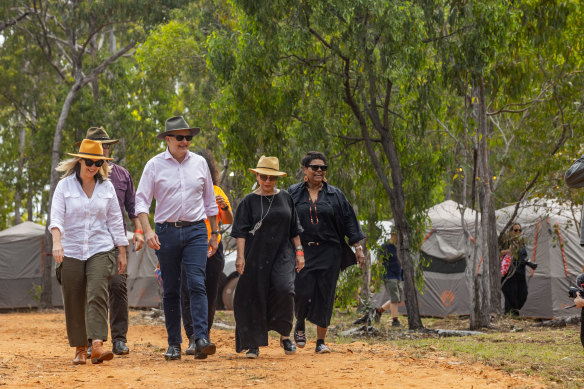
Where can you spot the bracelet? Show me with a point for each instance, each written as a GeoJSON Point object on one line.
{"type": "Point", "coordinates": [214, 232]}
{"type": "Point", "coordinates": [137, 231]}
{"type": "Point", "coordinates": [299, 248]}
{"type": "Point", "coordinates": [226, 208]}
{"type": "Point", "coordinates": [300, 253]}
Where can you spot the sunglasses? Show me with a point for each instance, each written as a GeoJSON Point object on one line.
{"type": "Point", "coordinates": [316, 167]}
{"type": "Point", "coordinates": [265, 177]}
{"type": "Point", "coordinates": [517, 230]}
{"type": "Point", "coordinates": [181, 137]}
{"type": "Point", "coordinates": [90, 162]}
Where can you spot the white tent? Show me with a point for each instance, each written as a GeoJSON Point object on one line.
{"type": "Point", "coordinates": [553, 242]}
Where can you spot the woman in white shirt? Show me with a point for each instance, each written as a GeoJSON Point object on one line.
{"type": "Point", "coordinates": [86, 224]}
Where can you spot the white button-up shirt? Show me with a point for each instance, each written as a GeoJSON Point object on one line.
{"type": "Point", "coordinates": [88, 225]}
{"type": "Point", "coordinates": [183, 191]}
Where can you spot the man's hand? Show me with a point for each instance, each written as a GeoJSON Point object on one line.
{"type": "Point", "coordinates": [152, 240]}
{"type": "Point", "coordinates": [579, 301]}
{"type": "Point", "coordinates": [212, 245]}
{"type": "Point", "coordinates": [138, 241]}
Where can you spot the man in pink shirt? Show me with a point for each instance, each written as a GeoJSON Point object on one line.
{"type": "Point", "coordinates": [181, 183]}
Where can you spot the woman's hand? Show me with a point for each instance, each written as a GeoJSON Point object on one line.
{"type": "Point", "coordinates": [299, 262]}
{"type": "Point", "coordinates": [579, 301]}
{"type": "Point", "coordinates": [122, 260]}
{"type": "Point", "coordinates": [359, 255]}
{"type": "Point", "coordinates": [239, 264]}
{"type": "Point", "coordinates": [58, 252]}
{"type": "Point", "coordinates": [221, 201]}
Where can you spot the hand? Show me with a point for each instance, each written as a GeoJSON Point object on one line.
{"type": "Point", "coordinates": [58, 252]}
{"type": "Point", "coordinates": [152, 240]}
{"type": "Point", "coordinates": [221, 201]}
{"type": "Point", "coordinates": [360, 256]}
{"type": "Point", "coordinates": [239, 264]}
{"type": "Point", "coordinates": [579, 301]}
{"type": "Point", "coordinates": [299, 263]}
{"type": "Point", "coordinates": [138, 241]}
{"type": "Point", "coordinates": [122, 261]}
{"type": "Point", "coordinates": [212, 245]}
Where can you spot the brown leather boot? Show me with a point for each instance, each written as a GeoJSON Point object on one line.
{"type": "Point", "coordinates": [98, 353]}
{"type": "Point", "coordinates": [80, 356]}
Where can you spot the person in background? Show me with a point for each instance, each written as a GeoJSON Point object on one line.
{"type": "Point", "coordinates": [514, 259]}
{"type": "Point", "coordinates": [87, 227]}
{"type": "Point", "coordinates": [181, 183]}
{"type": "Point", "coordinates": [215, 263]}
{"type": "Point", "coordinates": [266, 227]}
{"type": "Point", "coordinates": [393, 282]}
{"type": "Point", "coordinates": [117, 286]}
{"type": "Point", "coordinates": [326, 217]}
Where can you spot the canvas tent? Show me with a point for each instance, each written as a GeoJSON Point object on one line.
{"type": "Point", "coordinates": [445, 290]}
{"type": "Point", "coordinates": [21, 266]}
{"type": "Point", "coordinates": [552, 241]}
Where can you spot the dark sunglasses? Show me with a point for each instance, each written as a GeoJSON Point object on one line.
{"type": "Point", "coordinates": [265, 177]}
{"type": "Point", "coordinates": [517, 230]}
{"type": "Point", "coordinates": [90, 162]}
{"type": "Point", "coordinates": [181, 137]}
{"type": "Point", "coordinates": [316, 167]}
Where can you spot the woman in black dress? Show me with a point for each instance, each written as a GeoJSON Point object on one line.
{"type": "Point", "coordinates": [266, 225]}
{"type": "Point", "coordinates": [326, 218]}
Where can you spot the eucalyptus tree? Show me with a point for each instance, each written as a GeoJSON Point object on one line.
{"type": "Point", "coordinates": [351, 77]}
{"type": "Point", "coordinates": [75, 38]}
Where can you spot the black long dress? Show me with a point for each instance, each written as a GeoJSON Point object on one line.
{"type": "Point", "coordinates": [264, 298]}
{"type": "Point", "coordinates": [325, 225]}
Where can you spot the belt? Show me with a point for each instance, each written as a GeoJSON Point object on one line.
{"type": "Point", "coordinates": [180, 224]}
{"type": "Point", "coordinates": [311, 243]}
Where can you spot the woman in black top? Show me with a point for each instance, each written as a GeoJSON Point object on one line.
{"type": "Point", "coordinates": [326, 218]}
{"type": "Point", "coordinates": [265, 226]}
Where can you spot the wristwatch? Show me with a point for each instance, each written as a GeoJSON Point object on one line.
{"type": "Point", "coordinates": [214, 232]}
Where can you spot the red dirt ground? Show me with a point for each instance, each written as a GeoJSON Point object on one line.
{"type": "Point", "coordinates": [34, 352]}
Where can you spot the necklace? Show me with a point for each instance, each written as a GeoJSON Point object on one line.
{"type": "Point", "coordinates": [262, 216]}
{"type": "Point", "coordinates": [310, 209]}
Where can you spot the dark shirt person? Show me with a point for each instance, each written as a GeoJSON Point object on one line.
{"type": "Point", "coordinates": [514, 284]}
{"type": "Point", "coordinates": [327, 218]}
{"type": "Point", "coordinates": [117, 286]}
{"type": "Point", "coordinates": [181, 183]}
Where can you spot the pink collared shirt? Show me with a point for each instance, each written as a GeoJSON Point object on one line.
{"type": "Point", "coordinates": [183, 191]}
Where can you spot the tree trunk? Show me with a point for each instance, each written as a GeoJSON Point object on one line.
{"type": "Point", "coordinates": [47, 292]}
{"type": "Point", "coordinates": [18, 195]}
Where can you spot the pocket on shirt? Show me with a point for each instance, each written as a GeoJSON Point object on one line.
{"type": "Point", "coordinates": [103, 200]}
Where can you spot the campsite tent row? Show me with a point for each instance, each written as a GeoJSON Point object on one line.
{"type": "Point", "coordinates": [550, 229]}
{"type": "Point", "coordinates": [21, 266]}
{"type": "Point", "coordinates": [552, 237]}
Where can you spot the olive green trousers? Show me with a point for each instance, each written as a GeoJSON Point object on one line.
{"type": "Point", "coordinates": [85, 295]}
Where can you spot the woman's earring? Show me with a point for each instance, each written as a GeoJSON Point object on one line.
{"type": "Point", "coordinates": [305, 178]}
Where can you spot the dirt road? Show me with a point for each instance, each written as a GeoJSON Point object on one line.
{"type": "Point", "coordinates": [34, 352]}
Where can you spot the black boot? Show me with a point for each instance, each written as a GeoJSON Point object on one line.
{"type": "Point", "coordinates": [192, 346]}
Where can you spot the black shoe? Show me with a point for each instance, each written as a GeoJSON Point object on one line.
{"type": "Point", "coordinates": [203, 348]}
{"type": "Point", "coordinates": [300, 338]}
{"type": "Point", "coordinates": [395, 323]}
{"type": "Point", "coordinates": [173, 353]}
{"type": "Point", "coordinates": [252, 353]}
{"type": "Point", "coordinates": [191, 349]}
{"type": "Point", "coordinates": [120, 348]}
{"type": "Point", "coordinates": [321, 348]}
{"type": "Point", "coordinates": [288, 346]}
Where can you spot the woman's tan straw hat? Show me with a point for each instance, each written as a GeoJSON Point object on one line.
{"type": "Point", "coordinates": [90, 149]}
{"type": "Point", "coordinates": [269, 166]}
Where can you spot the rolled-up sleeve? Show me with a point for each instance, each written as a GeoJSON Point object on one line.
{"type": "Point", "coordinates": [145, 190]}
{"type": "Point", "coordinates": [211, 208]}
{"type": "Point", "coordinates": [114, 221]}
{"type": "Point", "coordinates": [574, 177]}
{"type": "Point", "coordinates": [58, 209]}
